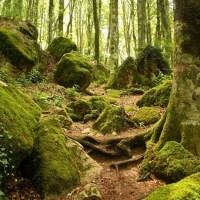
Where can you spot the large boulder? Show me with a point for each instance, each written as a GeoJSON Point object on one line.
{"type": "Point", "coordinates": [126, 75]}
{"type": "Point", "coordinates": [74, 69]}
{"type": "Point", "coordinates": [57, 164]}
{"type": "Point", "coordinates": [112, 119]}
{"type": "Point", "coordinates": [19, 43]}
{"type": "Point", "coordinates": [187, 189]}
{"type": "Point", "coordinates": [151, 61]}
{"type": "Point", "coordinates": [19, 117]}
{"type": "Point", "coordinates": [146, 116]}
{"type": "Point", "coordinates": [78, 109]}
{"type": "Point", "coordinates": [60, 46]}
{"type": "Point", "coordinates": [156, 96]}
{"type": "Point", "coordinates": [173, 162]}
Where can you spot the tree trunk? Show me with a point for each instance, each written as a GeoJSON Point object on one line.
{"type": "Point", "coordinates": [158, 24]}
{"type": "Point", "coordinates": [51, 18]}
{"type": "Point", "coordinates": [114, 36]}
{"type": "Point", "coordinates": [141, 11]}
{"type": "Point", "coordinates": [182, 120]}
{"type": "Point", "coordinates": [6, 11]}
{"type": "Point", "coordinates": [17, 9]}
{"type": "Point", "coordinates": [61, 17]}
{"type": "Point", "coordinates": [96, 27]}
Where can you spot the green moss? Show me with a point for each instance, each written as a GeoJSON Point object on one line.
{"type": "Point", "coordinates": [157, 96]}
{"type": "Point", "coordinates": [115, 93]}
{"type": "Point", "coordinates": [150, 61]}
{"type": "Point", "coordinates": [126, 76]}
{"type": "Point", "coordinates": [187, 189]}
{"type": "Point", "coordinates": [173, 162]}
{"type": "Point", "coordinates": [60, 46]}
{"type": "Point", "coordinates": [19, 116]}
{"type": "Point", "coordinates": [146, 115]}
{"type": "Point", "coordinates": [111, 119]}
{"type": "Point", "coordinates": [50, 166]}
{"type": "Point", "coordinates": [98, 103]}
{"type": "Point", "coordinates": [79, 109]}
{"type": "Point", "coordinates": [17, 48]}
{"type": "Point", "coordinates": [57, 164]}
{"type": "Point", "coordinates": [93, 115]}
{"type": "Point", "coordinates": [74, 70]}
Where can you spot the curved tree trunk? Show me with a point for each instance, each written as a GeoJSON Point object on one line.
{"type": "Point", "coordinates": [182, 120]}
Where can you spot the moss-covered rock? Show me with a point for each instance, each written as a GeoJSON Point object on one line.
{"type": "Point", "coordinates": [126, 76]}
{"type": "Point", "coordinates": [57, 163]}
{"type": "Point", "coordinates": [74, 70]}
{"type": "Point", "coordinates": [173, 162]}
{"type": "Point", "coordinates": [78, 109]}
{"type": "Point", "coordinates": [187, 189]}
{"type": "Point", "coordinates": [98, 103]}
{"type": "Point", "coordinates": [60, 46]}
{"type": "Point", "coordinates": [157, 96]}
{"type": "Point", "coordinates": [18, 43]}
{"type": "Point", "coordinates": [151, 61]}
{"type": "Point", "coordinates": [19, 117]}
{"type": "Point", "coordinates": [63, 116]}
{"type": "Point", "coordinates": [146, 115]}
{"type": "Point", "coordinates": [112, 119]}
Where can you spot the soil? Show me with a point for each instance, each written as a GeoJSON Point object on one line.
{"type": "Point", "coordinates": [114, 184]}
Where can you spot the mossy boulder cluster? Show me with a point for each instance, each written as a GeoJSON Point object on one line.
{"type": "Point", "coordinates": [112, 119]}
{"type": "Point", "coordinates": [19, 44]}
{"type": "Point", "coordinates": [146, 116]}
{"type": "Point", "coordinates": [56, 161]}
{"type": "Point", "coordinates": [140, 72]}
{"type": "Point", "coordinates": [40, 149]}
{"type": "Point", "coordinates": [156, 96]}
{"type": "Point", "coordinates": [187, 189]}
{"type": "Point", "coordinates": [74, 69]}
{"type": "Point", "coordinates": [173, 162]}
{"type": "Point", "coordinates": [60, 46]}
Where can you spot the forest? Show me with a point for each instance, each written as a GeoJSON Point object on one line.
{"type": "Point", "coordinates": [99, 100]}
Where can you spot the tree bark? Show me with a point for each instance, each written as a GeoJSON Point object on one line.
{"type": "Point", "coordinates": [51, 17]}
{"type": "Point", "coordinates": [96, 27]}
{"type": "Point", "coordinates": [141, 12]}
{"type": "Point", "coordinates": [61, 17]}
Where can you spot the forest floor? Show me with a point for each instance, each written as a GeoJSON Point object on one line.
{"type": "Point", "coordinates": [114, 183]}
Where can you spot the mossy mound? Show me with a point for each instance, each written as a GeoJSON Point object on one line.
{"type": "Point", "coordinates": [56, 164]}
{"type": "Point", "coordinates": [126, 76]}
{"type": "Point", "coordinates": [187, 189]}
{"type": "Point", "coordinates": [146, 115]}
{"type": "Point", "coordinates": [18, 43]}
{"type": "Point", "coordinates": [74, 70]}
{"type": "Point", "coordinates": [98, 103]}
{"type": "Point", "coordinates": [78, 109]}
{"type": "Point", "coordinates": [157, 96]}
{"type": "Point", "coordinates": [19, 117]}
{"type": "Point", "coordinates": [151, 61]}
{"type": "Point", "coordinates": [112, 119]}
{"type": "Point", "coordinates": [173, 162]}
{"type": "Point", "coordinates": [60, 46]}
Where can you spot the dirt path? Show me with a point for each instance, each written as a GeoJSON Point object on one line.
{"type": "Point", "coordinates": [114, 184]}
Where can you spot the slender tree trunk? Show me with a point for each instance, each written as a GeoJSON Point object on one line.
{"type": "Point", "coordinates": [141, 12]}
{"type": "Point", "coordinates": [36, 5]}
{"type": "Point", "coordinates": [114, 36]}
{"type": "Point", "coordinates": [17, 9]}
{"type": "Point", "coordinates": [158, 25]}
{"type": "Point", "coordinates": [149, 37]}
{"type": "Point", "coordinates": [72, 4]}
{"type": "Point", "coordinates": [61, 17]}
{"type": "Point", "coordinates": [6, 11]}
{"type": "Point", "coordinates": [51, 19]}
{"type": "Point", "coordinates": [96, 27]}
